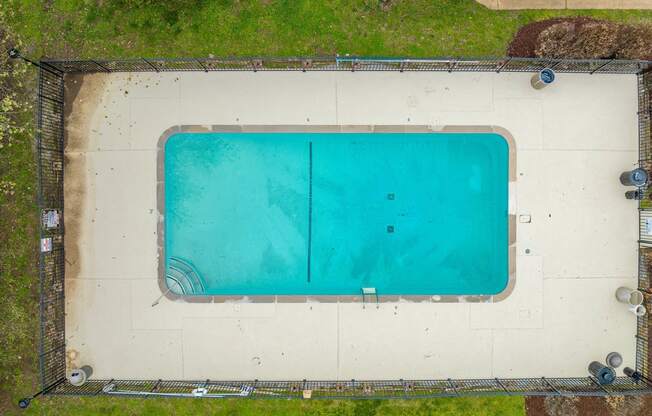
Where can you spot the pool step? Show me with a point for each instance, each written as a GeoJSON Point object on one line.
{"type": "Point", "coordinates": [182, 277]}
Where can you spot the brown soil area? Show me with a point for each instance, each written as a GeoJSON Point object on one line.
{"type": "Point", "coordinates": [588, 406]}
{"type": "Point", "coordinates": [582, 38]}
{"type": "Point", "coordinates": [525, 41]}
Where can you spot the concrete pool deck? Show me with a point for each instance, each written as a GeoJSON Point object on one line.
{"type": "Point", "coordinates": [572, 141]}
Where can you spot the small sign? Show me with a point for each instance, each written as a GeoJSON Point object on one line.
{"type": "Point", "coordinates": [648, 226]}
{"type": "Point", "coordinates": [46, 245]}
{"type": "Point", "coordinates": [51, 218]}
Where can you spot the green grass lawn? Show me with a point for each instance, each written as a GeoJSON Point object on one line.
{"type": "Point", "coordinates": [197, 28]}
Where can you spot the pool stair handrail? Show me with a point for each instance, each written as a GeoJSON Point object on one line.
{"type": "Point", "coordinates": [184, 274]}
{"type": "Point", "coordinates": [371, 292]}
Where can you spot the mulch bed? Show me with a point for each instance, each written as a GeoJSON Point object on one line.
{"type": "Point", "coordinates": [603, 39]}
{"type": "Point", "coordinates": [525, 40]}
{"type": "Point", "coordinates": [588, 406]}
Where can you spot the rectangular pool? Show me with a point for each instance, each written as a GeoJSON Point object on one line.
{"type": "Point", "coordinates": [331, 213]}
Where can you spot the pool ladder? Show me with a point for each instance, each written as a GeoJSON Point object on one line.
{"type": "Point", "coordinates": [369, 292]}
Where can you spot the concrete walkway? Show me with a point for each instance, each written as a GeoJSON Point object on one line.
{"type": "Point", "coordinates": [565, 4]}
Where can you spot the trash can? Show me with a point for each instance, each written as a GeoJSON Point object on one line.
{"type": "Point", "coordinates": [630, 297]}
{"type": "Point", "coordinates": [630, 372]}
{"type": "Point", "coordinates": [602, 373]}
{"type": "Point", "coordinates": [638, 310]}
{"type": "Point", "coordinates": [636, 177]}
{"type": "Point", "coordinates": [542, 78]}
{"type": "Point", "coordinates": [79, 376]}
{"type": "Point", "coordinates": [614, 359]}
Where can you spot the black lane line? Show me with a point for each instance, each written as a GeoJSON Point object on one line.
{"type": "Point", "coordinates": [309, 206]}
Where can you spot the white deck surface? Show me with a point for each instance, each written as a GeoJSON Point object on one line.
{"type": "Point", "coordinates": [573, 140]}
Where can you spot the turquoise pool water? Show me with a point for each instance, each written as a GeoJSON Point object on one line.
{"type": "Point", "coordinates": [328, 214]}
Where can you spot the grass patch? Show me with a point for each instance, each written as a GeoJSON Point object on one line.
{"type": "Point", "coordinates": [197, 28]}
{"type": "Point", "coordinates": [484, 406]}
{"type": "Point", "coordinates": [127, 28]}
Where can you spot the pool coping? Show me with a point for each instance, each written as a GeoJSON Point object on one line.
{"type": "Point", "coordinates": [260, 128]}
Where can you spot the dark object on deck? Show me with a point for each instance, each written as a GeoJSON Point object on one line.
{"type": "Point", "coordinates": [636, 177]}
{"type": "Point", "coordinates": [636, 195]}
{"type": "Point", "coordinates": [630, 372]}
{"type": "Point", "coordinates": [602, 373]}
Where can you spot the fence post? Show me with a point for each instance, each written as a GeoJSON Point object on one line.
{"type": "Point", "coordinates": [450, 383]}
{"type": "Point", "coordinates": [202, 65]}
{"type": "Point", "coordinates": [451, 65]}
{"type": "Point", "coordinates": [150, 64]}
{"type": "Point", "coordinates": [503, 65]}
{"type": "Point", "coordinates": [601, 66]}
{"type": "Point", "coordinates": [555, 64]}
{"type": "Point", "coordinates": [101, 66]}
{"type": "Point", "coordinates": [551, 386]}
{"type": "Point", "coordinates": [502, 386]}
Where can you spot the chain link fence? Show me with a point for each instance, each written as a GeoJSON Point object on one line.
{"type": "Point", "coordinates": [49, 146]}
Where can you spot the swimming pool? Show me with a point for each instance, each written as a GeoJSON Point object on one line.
{"type": "Point", "coordinates": [319, 213]}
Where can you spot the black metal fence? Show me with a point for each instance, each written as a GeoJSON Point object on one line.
{"type": "Point", "coordinates": [50, 139]}
{"type": "Point", "coordinates": [347, 63]}
{"type": "Point", "coordinates": [354, 389]}
{"type": "Point", "coordinates": [49, 147]}
{"type": "Point", "coordinates": [643, 336]}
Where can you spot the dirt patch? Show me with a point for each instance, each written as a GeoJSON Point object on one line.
{"type": "Point", "coordinates": [74, 196]}
{"type": "Point", "coordinates": [83, 94]}
{"type": "Point", "coordinates": [82, 97]}
{"type": "Point", "coordinates": [588, 406]}
{"type": "Point", "coordinates": [386, 5]}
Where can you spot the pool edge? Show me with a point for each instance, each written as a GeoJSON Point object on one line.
{"type": "Point", "coordinates": [296, 128]}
